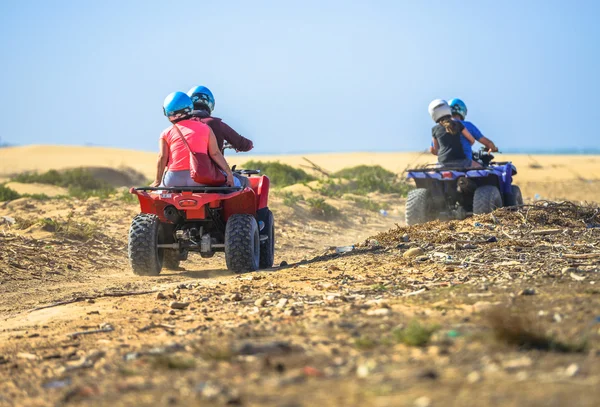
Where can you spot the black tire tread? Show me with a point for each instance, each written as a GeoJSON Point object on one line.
{"type": "Point", "coordinates": [517, 195]}
{"type": "Point", "coordinates": [240, 254]}
{"type": "Point", "coordinates": [417, 206]}
{"type": "Point", "coordinates": [141, 249]}
{"type": "Point", "coordinates": [267, 248]}
{"type": "Point", "coordinates": [486, 199]}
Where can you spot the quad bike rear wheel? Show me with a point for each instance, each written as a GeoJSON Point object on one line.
{"type": "Point", "coordinates": [145, 234]}
{"type": "Point", "coordinates": [242, 243]}
{"type": "Point", "coordinates": [417, 206]}
{"type": "Point", "coordinates": [267, 247]}
{"type": "Point", "coordinates": [487, 198]}
{"type": "Point", "coordinates": [171, 259]}
{"type": "Point", "coordinates": [516, 197]}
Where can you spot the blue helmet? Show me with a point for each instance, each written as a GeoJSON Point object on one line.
{"type": "Point", "coordinates": [201, 95]}
{"type": "Point", "coordinates": [458, 107]}
{"type": "Point", "coordinates": [177, 105]}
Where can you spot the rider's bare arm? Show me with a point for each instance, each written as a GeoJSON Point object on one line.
{"type": "Point", "coordinates": [161, 162]}
{"type": "Point", "coordinates": [468, 136]}
{"type": "Point", "coordinates": [217, 157]}
{"type": "Point", "coordinates": [436, 146]}
{"type": "Point", "coordinates": [433, 149]}
{"type": "Point", "coordinates": [489, 144]}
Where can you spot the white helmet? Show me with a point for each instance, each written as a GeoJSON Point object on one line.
{"type": "Point", "coordinates": [438, 109]}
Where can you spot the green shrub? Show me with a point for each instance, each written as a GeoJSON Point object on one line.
{"type": "Point", "coordinates": [69, 228]}
{"type": "Point", "coordinates": [281, 175]}
{"type": "Point", "coordinates": [289, 198]}
{"type": "Point", "coordinates": [7, 194]}
{"type": "Point", "coordinates": [372, 178]}
{"type": "Point", "coordinates": [321, 209]}
{"type": "Point", "coordinates": [415, 334]}
{"type": "Point", "coordinates": [365, 203]}
{"type": "Point", "coordinates": [127, 197]}
{"type": "Point", "coordinates": [80, 182]}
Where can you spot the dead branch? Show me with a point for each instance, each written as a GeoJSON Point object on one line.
{"type": "Point", "coordinates": [315, 167]}
{"type": "Point", "coordinates": [93, 297]}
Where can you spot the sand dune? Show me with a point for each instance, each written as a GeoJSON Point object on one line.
{"type": "Point", "coordinates": [551, 176]}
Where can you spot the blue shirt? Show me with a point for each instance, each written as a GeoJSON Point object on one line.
{"type": "Point", "coordinates": [465, 143]}
{"type": "Point", "coordinates": [463, 140]}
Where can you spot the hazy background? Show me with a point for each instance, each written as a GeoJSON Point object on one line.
{"type": "Point", "coordinates": [301, 76]}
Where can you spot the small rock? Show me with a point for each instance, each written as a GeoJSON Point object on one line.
{"type": "Point", "coordinates": [176, 291]}
{"type": "Point", "coordinates": [7, 219]}
{"type": "Point", "coordinates": [474, 377]}
{"type": "Point", "coordinates": [269, 348]}
{"type": "Point", "coordinates": [282, 303]}
{"type": "Point", "coordinates": [235, 297]}
{"type": "Point", "coordinates": [161, 296]}
{"type": "Point", "coordinates": [260, 302]}
{"type": "Point", "coordinates": [380, 312]}
{"type": "Point", "coordinates": [91, 301]}
{"type": "Point", "coordinates": [414, 252]}
{"type": "Point", "coordinates": [568, 270]}
{"type": "Point", "coordinates": [527, 291]}
{"type": "Point", "coordinates": [518, 363]}
{"type": "Point", "coordinates": [312, 372]}
{"type": "Point", "coordinates": [178, 305]}
{"type": "Point", "coordinates": [522, 376]}
{"type": "Point", "coordinates": [572, 370]}
{"type": "Point", "coordinates": [362, 371]}
{"type": "Point", "coordinates": [373, 243]}
{"type": "Point", "coordinates": [481, 306]}
{"type": "Point", "coordinates": [469, 246]}
{"type": "Point", "coordinates": [291, 312]}
{"type": "Point", "coordinates": [422, 402]}
{"type": "Point", "coordinates": [405, 237]}
{"type": "Point", "coordinates": [557, 318]}
{"type": "Point", "coordinates": [28, 356]}
{"type": "Point", "coordinates": [283, 264]}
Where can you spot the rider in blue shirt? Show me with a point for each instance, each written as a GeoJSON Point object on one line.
{"type": "Point", "coordinates": [459, 112]}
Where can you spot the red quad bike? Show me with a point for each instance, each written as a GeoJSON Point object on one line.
{"type": "Point", "coordinates": [179, 220]}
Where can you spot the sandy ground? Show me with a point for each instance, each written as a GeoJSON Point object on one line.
{"type": "Point", "coordinates": [327, 329]}
{"type": "Point", "coordinates": [548, 176]}
{"type": "Point", "coordinates": [496, 311]}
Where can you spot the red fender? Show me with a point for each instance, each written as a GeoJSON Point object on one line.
{"type": "Point", "coordinates": [261, 186]}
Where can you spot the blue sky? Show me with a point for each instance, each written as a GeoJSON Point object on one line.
{"type": "Point", "coordinates": [301, 76]}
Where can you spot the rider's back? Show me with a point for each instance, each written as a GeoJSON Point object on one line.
{"type": "Point", "coordinates": [451, 148]}
{"type": "Point", "coordinates": [197, 135]}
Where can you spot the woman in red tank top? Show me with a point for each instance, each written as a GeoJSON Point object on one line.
{"type": "Point", "coordinates": [174, 155]}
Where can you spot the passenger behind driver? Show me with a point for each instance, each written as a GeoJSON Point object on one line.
{"type": "Point", "coordinates": [174, 156]}
{"type": "Point", "coordinates": [446, 135]}
{"type": "Point", "coordinates": [459, 112]}
{"type": "Point", "coordinates": [204, 104]}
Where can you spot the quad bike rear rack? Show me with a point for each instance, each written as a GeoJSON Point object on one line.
{"type": "Point", "coordinates": [191, 189]}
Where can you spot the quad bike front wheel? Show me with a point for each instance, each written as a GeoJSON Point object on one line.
{"type": "Point", "coordinates": [267, 246]}
{"type": "Point", "coordinates": [516, 197]}
{"type": "Point", "coordinates": [242, 243]}
{"type": "Point", "coordinates": [487, 199]}
{"type": "Point", "coordinates": [145, 234]}
{"type": "Point", "coordinates": [417, 206]}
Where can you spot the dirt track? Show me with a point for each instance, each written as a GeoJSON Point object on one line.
{"type": "Point", "coordinates": [328, 329]}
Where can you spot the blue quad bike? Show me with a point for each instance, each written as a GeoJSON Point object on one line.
{"type": "Point", "coordinates": [455, 193]}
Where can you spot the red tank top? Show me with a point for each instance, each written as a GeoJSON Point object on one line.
{"type": "Point", "coordinates": [196, 133]}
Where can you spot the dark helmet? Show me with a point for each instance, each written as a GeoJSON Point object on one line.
{"type": "Point", "coordinates": [202, 96]}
